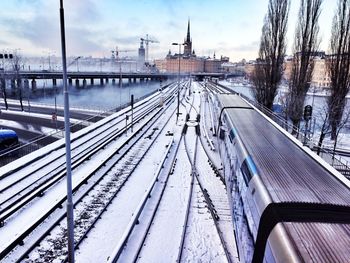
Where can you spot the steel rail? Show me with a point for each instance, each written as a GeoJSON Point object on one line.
{"type": "Point", "coordinates": [153, 97]}
{"type": "Point", "coordinates": [39, 190]}
{"type": "Point", "coordinates": [118, 251]}
{"type": "Point", "coordinates": [19, 239]}
{"type": "Point", "coordinates": [92, 186]}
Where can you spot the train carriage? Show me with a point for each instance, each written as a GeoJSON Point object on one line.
{"type": "Point", "coordinates": [286, 206]}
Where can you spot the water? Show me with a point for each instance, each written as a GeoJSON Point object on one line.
{"type": "Point", "coordinates": [101, 97]}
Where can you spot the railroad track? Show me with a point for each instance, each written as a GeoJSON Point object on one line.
{"type": "Point", "coordinates": [18, 191]}
{"type": "Point", "coordinates": [89, 210]}
{"type": "Point", "coordinates": [135, 243]}
{"type": "Point", "coordinates": [20, 238]}
{"type": "Point", "coordinates": [196, 181]}
{"type": "Point", "coordinates": [150, 202]}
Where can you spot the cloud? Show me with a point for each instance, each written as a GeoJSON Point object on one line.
{"type": "Point", "coordinates": [29, 2]}
{"type": "Point", "coordinates": [40, 30]}
{"type": "Point", "coordinates": [127, 40]}
{"type": "Point", "coordinates": [4, 42]}
{"type": "Point", "coordinates": [250, 47]}
{"type": "Point", "coordinates": [82, 11]}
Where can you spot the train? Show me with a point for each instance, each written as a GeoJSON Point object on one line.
{"type": "Point", "coordinates": [286, 204]}
{"type": "Point", "coordinates": [8, 139]}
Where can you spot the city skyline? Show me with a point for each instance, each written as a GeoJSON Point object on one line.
{"type": "Point", "coordinates": [230, 28]}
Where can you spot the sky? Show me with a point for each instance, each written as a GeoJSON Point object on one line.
{"type": "Point", "coordinates": [95, 27]}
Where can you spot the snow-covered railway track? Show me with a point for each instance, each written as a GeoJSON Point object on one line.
{"type": "Point", "coordinates": [81, 145]}
{"type": "Point", "coordinates": [147, 208]}
{"type": "Point", "coordinates": [143, 218]}
{"type": "Point", "coordinates": [198, 195]}
{"type": "Point", "coordinates": [173, 214]}
{"type": "Point", "coordinates": [143, 243]}
{"type": "Point", "coordinates": [15, 197]}
{"type": "Point", "coordinates": [79, 139]}
{"type": "Point", "coordinates": [93, 203]}
{"type": "Point", "coordinates": [21, 236]}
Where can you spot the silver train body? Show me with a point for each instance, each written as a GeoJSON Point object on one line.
{"type": "Point", "coordinates": [249, 198]}
{"type": "Point", "coordinates": [250, 194]}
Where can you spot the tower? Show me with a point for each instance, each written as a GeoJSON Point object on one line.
{"type": "Point", "coordinates": [188, 42]}
{"type": "Point", "coordinates": [141, 60]}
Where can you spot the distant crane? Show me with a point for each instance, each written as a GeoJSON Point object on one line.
{"type": "Point", "coordinates": [115, 53]}
{"type": "Point", "coordinates": [147, 41]}
{"type": "Point", "coordinates": [73, 61]}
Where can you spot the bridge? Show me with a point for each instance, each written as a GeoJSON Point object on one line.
{"type": "Point", "coordinates": [104, 77]}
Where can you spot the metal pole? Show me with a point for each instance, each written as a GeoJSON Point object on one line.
{"type": "Point", "coordinates": [178, 87]}
{"type": "Point", "coordinates": [132, 111]}
{"type": "Point", "coordinates": [49, 62]}
{"type": "Point", "coordinates": [70, 218]}
{"type": "Point", "coordinates": [56, 112]}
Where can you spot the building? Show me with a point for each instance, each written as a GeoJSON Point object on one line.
{"type": "Point", "coordinates": [320, 76]}
{"type": "Point", "coordinates": [142, 54]}
{"type": "Point", "coordinates": [188, 43]}
{"type": "Point", "coordinates": [189, 61]}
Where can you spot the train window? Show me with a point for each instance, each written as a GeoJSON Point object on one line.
{"type": "Point", "coordinates": [222, 134]}
{"type": "Point", "coordinates": [231, 135]}
{"type": "Point", "coordinates": [246, 172]}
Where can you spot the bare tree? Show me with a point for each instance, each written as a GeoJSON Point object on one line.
{"type": "Point", "coordinates": [344, 120]}
{"type": "Point", "coordinates": [305, 46]}
{"type": "Point", "coordinates": [3, 88]}
{"type": "Point", "coordinates": [269, 67]}
{"type": "Point", "coordinates": [324, 128]}
{"type": "Point", "coordinates": [338, 63]}
{"type": "Point", "coordinates": [3, 79]}
{"type": "Point", "coordinates": [16, 63]}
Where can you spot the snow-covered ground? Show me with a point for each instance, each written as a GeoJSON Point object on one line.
{"type": "Point", "coordinates": [162, 243]}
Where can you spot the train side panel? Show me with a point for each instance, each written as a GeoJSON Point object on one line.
{"type": "Point", "coordinates": [249, 197]}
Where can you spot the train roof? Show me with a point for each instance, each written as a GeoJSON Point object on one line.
{"type": "Point", "coordinates": [6, 133]}
{"type": "Point", "coordinates": [292, 175]}
{"type": "Point", "coordinates": [232, 100]}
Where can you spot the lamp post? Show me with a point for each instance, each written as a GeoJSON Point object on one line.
{"type": "Point", "coordinates": [178, 80]}
{"type": "Point", "coordinates": [70, 219]}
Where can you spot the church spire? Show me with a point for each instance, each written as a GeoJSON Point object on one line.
{"type": "Point", "coordinates": [188, 32]}
{"type": "Point", "coordinates": [188, 41]}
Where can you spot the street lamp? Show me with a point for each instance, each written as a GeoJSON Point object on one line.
{"type": "Point", "coordinates": [70, 216]}
{"type": "Point", "coordinates": [178, 80]}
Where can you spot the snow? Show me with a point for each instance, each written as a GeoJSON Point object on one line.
{"type": "Point", "coordinates": [112, 226]}
{"type": "Point", "coordinates": [49, 106]}
{"type": "Point", "coordinates": [35, 210]}
{"type": "Point", "coordinates": [39, 115]}
{"type": "Point", "coordinates": [91, 130]}
{"type": "Point", "coordinates": [28, 127]}
{"type": "Point", "coordinates": [162, 243]}
{"type": "Point", "coordinates": [170, 216]}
